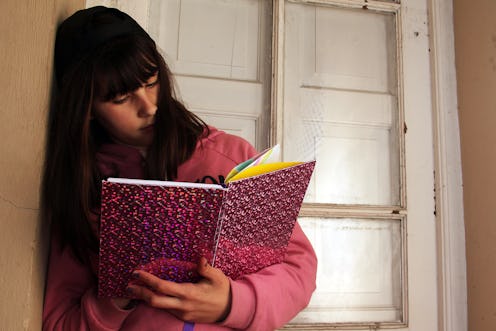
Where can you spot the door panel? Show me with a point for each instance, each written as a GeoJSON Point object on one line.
{"type": "Point", "coordinates": [350, 49]}
{"type": "Point", "coordinates": [211, 38]}
{"type": "Point", "coordinates": [360, 265]}
{"type": "Point", "coordinates": [340, 102]}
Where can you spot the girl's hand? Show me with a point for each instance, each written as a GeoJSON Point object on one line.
{"type": "Point", "coordinates": [207, 301]}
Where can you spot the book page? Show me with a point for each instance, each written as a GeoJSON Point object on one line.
{"type": "Point", "coordinates": [262, 169]}
{"type": "Point", "coordinates": [163, 183]}
{"type": "Point", "coordinates": [270, 155]}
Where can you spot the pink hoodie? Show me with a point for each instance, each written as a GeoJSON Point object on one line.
{"type": "Point", "coordinates": [265, 300]}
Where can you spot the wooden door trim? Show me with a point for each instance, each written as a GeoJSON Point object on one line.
{"type": "Point", "coordinates": [452, 292]}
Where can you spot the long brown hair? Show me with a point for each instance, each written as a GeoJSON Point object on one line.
{"type": "Point", "coordinates": [71, 181]}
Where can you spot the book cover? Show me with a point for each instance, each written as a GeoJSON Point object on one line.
{"type": "Point", "coordinates": [257, 219]}
{"type": "Point", "coordinates": [165, 227]}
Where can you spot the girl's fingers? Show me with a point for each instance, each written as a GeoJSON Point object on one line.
{"type": "Point", "coordinates": [210, 273]}
{"type": "Point", "coordinates": [157, 284]}
{"type": "Point", "coordinates": [207, 301]}
{"type": "Point", "coordinates": [154, 299]}
{"type": "Point", "coordinates": [204, 268]}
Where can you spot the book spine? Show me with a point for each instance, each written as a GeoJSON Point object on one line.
{"type": "Point", "coordinates": [220, 221]}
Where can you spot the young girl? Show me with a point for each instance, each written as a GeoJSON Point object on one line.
{"type": "Point", "coordinates": [116, 115]}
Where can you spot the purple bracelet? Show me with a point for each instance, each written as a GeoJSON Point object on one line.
{"type": "Point", "coordinates": [188, 326]}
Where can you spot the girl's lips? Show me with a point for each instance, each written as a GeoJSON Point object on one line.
{"type": "Point", "coordinates": [148, 127]}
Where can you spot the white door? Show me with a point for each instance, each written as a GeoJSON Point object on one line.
{"type": "Point", "coordinates": [346, 82]}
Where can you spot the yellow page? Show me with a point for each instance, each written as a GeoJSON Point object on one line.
{"type": "Point", "coordinates": [261, 169]}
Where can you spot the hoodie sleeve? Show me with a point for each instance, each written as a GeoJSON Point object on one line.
{"type": "Point", "coordinates": [271, 297]}
{"type": "Point", "coordinates": [70, 298]}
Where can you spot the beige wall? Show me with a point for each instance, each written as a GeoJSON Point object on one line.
{"type": "Point", "coordinates": [475, 42]}
{"type": "Point", "coordinates": [27, 30]}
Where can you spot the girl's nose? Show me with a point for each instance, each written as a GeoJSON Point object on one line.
{"type": "Point", "coordinates": [147, 102]}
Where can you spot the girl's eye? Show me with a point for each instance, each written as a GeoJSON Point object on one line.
{"type": "Point", "coordinates": [152, 81]}
{"type": "Point", "coordinates": [152, 84]}
{"type": "Point", "coordinates": [120, 99]}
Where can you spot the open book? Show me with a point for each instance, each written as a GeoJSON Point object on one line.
{"type": "Point", "coordinates": [165, 227]}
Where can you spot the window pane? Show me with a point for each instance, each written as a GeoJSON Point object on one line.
{"type": "Point", "coordinates": [341, 102]}
{"type": "Point", "coordinates": [359, 277]}
{"type": "Point", "coordinates": [213, 38]}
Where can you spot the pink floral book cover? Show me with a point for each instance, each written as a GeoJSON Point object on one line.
{"type": "Point", "coordinates": [165, 227]}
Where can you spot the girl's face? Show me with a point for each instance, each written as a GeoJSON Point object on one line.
{"type": "Point", "coordinates": [129, 118]}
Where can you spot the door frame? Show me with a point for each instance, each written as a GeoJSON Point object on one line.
{"type": "Point", "coordinates": [452, 284]}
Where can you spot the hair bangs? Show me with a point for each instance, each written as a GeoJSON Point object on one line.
{"type": "Point", "coordinates": [124, 67]}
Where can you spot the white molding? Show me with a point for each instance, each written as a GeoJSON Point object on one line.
{"type": "Point", "coordinates": [277, 89]}
{"type": "Point", "coordinates": [449, 188]}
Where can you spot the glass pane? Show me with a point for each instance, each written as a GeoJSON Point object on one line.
{"type": "Point", "coordinates": [214, 38]}
{"type": "Point", "coordinates": [341, 102]}
{"type": "Point", "coordinates": [359, 276]}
